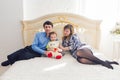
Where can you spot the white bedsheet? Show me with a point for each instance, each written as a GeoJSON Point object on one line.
{"type": "Point", "coordinates": [66, 68]}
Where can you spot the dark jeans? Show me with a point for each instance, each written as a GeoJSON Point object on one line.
{"type": "Point", "coordinates": [23, 54]}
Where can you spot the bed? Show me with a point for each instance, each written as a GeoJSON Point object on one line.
{"type": "Point", "coordinates": [66, 68]}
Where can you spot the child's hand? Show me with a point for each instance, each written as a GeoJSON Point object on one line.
{"type": "Point", "coordinates": [50, 49]}
{"type": "Point", "coordinates": [59, 50]}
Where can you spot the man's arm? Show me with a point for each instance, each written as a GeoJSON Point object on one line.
{"type": "Point", "coordinates": [37, 49]}
{"type": "Point", "coordinates": [35, 45]}
{"type": "Point", "coordinates": [41, 51]}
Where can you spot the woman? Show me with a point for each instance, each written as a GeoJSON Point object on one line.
{"type": "Point", "coordinates": [81, 52]}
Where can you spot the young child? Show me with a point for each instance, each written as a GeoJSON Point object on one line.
{"type": "Point", "coordinates": [53, 46]}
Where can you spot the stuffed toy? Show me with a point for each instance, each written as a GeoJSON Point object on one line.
{"type": "Point", "coordinates": [54, 51]}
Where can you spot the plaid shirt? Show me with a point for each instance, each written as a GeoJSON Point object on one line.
{"type": "Point", "coordinates": [73, 43]}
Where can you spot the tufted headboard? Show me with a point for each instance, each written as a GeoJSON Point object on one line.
{"type": "Point", "coordinates": [87, 29]}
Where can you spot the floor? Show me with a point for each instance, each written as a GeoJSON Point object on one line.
{"type": "Point", "coordinates": [3, 58]}
{"type": "Point", "coordinates": [3, 69]}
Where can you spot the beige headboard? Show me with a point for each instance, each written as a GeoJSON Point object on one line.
{"type": "Point", "coordinates": [87, 29]}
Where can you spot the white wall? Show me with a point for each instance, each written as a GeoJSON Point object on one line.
{"type": "Point", "coordinates": [105, 10]}
{"type": "Point", "coordinates": [11, 13]}
{"type": "Point", "coordinates": [109, 12]}
{"type": "Point", "coordinates": [36, 8]}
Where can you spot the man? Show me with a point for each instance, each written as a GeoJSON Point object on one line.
{"type": "Point", "coordinates": [37, 49]}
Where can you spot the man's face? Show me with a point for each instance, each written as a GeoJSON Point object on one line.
{"type": "Point", "coordinates": [48, 28]}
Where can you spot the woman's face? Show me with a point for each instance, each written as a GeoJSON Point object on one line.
{"type": "Point", "coordinates": [66, 32]}
{"type": "Point", "coordinates": [48, 28]}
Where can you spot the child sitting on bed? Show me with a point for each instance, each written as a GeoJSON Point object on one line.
{"type": "Point", "coordinates": [53, 46]}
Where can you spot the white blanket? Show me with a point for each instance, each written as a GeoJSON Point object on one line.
{"type": "Point", "coordinates": [66, 68]}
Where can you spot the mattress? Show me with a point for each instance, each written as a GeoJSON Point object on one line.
{"type": "Point", "coordinates": [43, 68]}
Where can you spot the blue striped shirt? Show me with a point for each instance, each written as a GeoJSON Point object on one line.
{"type": "Point", "coordinates": [40, 42]}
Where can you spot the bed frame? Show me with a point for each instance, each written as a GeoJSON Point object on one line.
{"type": "Point", "coordinates": [87, 29]}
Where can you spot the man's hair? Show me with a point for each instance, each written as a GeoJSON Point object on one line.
{"type": "Point", "coordinates": [51, 33]}
{"type": "Point", "coordinates": [48, 23]}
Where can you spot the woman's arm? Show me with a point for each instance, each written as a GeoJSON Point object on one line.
{"type": "Point", "coordinates": [72, 43]}
{"type": "Point", "coordinates": [64, 48]}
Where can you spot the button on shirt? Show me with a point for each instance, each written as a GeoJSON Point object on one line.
{"type": "Point", "coordinates": [40, 42]}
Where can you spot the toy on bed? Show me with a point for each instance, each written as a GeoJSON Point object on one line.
{"type": "Point", "coordinates": [53, 46]}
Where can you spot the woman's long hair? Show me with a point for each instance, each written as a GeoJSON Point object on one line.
{"type": "Point", "coordinates": [70, 27]}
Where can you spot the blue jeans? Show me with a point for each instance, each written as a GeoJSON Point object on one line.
{"type": "Point", "coordinates": [23, 54]}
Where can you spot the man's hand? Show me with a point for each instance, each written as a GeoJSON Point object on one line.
{"type": "Point", "coordinates": [46, 53]}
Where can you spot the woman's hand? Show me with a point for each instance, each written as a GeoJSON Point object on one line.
{"type": "Point", "coordinates": [64, 48]}
{"type": "Point", "coordinates": [61, 47]}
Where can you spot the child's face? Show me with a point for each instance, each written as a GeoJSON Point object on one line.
{"type": "Point", "coordinates": [53, 37]}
